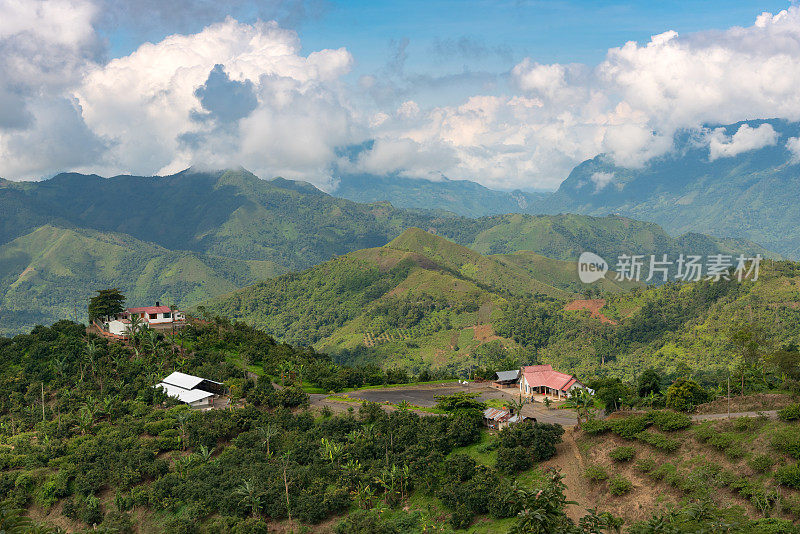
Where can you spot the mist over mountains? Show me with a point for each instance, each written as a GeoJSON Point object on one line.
{"type": "Point", "coordinates": [738, 180]}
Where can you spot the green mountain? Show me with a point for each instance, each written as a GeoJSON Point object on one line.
{"type": "Point", "coordinates": [751, 195]}
{"type": "Point", "coordinates": [461, 197]}
{"type": "Point", "coordinates": [747, 195]}
{"type": "Point", "coordinates": [418, 301]}
{"type": "Point", "coordinates": [222, 221]}
{"type": "Point", "coordinates": [51, 273]}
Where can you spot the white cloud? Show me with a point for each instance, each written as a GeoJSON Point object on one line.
{"type": "Point", "coordinates": [793, 146]}
{"type": "Point", "coordinates": [146, 103]}
{"type": "Point", "coordinates": [156, 110]}
{"type": "Point", "coordinates": [601, 180]}
{"type": "Point", "coordinates": [746, 138]}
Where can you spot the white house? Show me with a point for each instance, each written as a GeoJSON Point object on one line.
{"type": "Point", "coordinates": [195, 391]}
{"type": "Point", "coordinates": [118, 326]}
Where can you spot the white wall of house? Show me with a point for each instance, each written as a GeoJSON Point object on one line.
{"type": "Point", "coordinates": [118, 328]}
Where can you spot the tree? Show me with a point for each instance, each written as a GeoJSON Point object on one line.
{"type": "Point", "coordinates": [107, 302]}
{"type": "Point", "coordinates": [649, 382]}
{"type": "Point", "coordinates": [249, 496]}
{"type": "Point", "coordinates": [684, 394]}
{"type": "Point", "coordinates": [459, 401]}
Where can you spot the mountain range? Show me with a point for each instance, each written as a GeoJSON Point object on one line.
{"type": "Point", "coordinates": [712, 182]}
{"type": "Point", "coordinates": [188, 237]}
{"type": "Point", "coordinates": [422, 301]}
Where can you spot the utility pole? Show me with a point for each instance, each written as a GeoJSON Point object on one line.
{"type": "Point", "coordinates": [729, 394]}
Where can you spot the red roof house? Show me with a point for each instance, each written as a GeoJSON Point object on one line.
{"type": "Point", "coordinates": [544, 380]}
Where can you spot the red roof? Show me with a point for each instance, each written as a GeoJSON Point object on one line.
{"type": "Point", "coordinates": [150, 309]}
{"type": "Point", "coordinates": [544, 375]}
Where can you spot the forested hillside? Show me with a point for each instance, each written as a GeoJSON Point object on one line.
{"type": "Point", "coordinates": [193, 235]}
{"type": "Point", "coordinates": [421, 302]}
{"type": "Point", "coordinates": [424, 302]}
{"type": "Point", "coordinates": [86, 443]}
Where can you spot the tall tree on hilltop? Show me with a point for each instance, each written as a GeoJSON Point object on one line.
{"type": "Point", "coordinates": [107, 302]}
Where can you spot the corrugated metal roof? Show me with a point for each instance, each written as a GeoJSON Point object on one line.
{"type": "Point", "coordinates": [182, 380]}
{"type": "Point", "coordinates": [496, 414]}
{"type": "Point", "coordinates": [503, 376]}
{"type": "Point", "coordinates": [184, 395]}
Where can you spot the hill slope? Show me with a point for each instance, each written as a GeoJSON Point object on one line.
{"type": "Point", "coordinates": [420, 300]}
{"type": "Point", "coordinates": [750, 195]}
{"type": "Point", "coordinates": [51, 273]}
{"type": "Point", "coordinates": [289, 225]}
{"type": "Point", "coordinates": [461, 197]}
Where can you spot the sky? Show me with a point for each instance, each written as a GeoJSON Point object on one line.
{"type": "Point", "coordinates": [511, 94]}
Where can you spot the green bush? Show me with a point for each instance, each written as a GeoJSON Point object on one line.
{"type": "Point", "coordinates": [669, 421]}
{"type": "Point", "coordinates": [622, 454]}
{"type": "Point", "coordinates": [761, 463]}
{"type": "Point", "coordinates": [789, 475]}
{"type": "Point", "coordinates": [619, 485]}
{"type": "Point", "coordinates": [787, 440]}
{"type": "Point", "coordinates": [684, 394]}
{"type": "Point", "coordinates": [659, 441]}
{"type": "Point", "coordinates": [629, 426]}
{"type": "Point", "coordinates": [646, 465]}
{"type": "Point", "coordinates": [596, 473]}
{"type": "Point", "coordinates": [790, 413]}
{"type": "Point", "coordinates": [595, 426]}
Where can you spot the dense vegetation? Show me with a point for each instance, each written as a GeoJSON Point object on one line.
{"type": "Point", "coordinates": [86, 438]}
{"type": "Point", "coordinates": [194, 235]}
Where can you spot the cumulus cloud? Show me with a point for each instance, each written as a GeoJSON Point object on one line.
{"type": "Point", "coordinates": [275, 111]}
{"type": "Point", "coordinates": [746, 138]}
{"type": "Point", "coordinates": [231, 93]}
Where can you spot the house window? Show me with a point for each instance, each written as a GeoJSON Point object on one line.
{"type": "Point", "coordinates": [167, 315]}
{"type": "Point", "coordinates": [153, 315]}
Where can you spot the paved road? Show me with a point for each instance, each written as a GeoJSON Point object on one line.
{"type": "Point", "coordinates": [424, 396]}
{"type": "Point", "coordinates": [772, 414]}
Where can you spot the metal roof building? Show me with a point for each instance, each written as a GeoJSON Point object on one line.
{"type": "Point", "coordinates": [190, 389]}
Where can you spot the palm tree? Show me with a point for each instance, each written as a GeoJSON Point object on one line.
{"type": "Point", "coordinates": [331, 450]}
{"type": "Point", "coordinates": [265, 434]}
{"type": "Point", "coordinates": [182, 418]}
{"type": "Point", "coordinates": [249, 496]}
{"type": "Point", "coordinates": [516, 405]}
{"type": "Point", "coordinates": [135, 328]}
{"type": "Point", "coordinates": [204, 454]}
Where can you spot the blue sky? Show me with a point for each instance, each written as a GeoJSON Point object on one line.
{"type": "Point", "coordinates": [511, 94]}
{"type": "Point", "coordinates": [505, 30]}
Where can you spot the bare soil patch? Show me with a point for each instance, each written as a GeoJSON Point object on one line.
{"type": "Point", "coordinates": [748, 403]}
{"type": "Point", "coordinates": [593, 306]}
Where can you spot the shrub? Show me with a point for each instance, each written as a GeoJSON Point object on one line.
{"type": "Point", "coordinates": [790, 413]}
{"type": "Point", "coordinates": [789, 475]}
{"type": "Point", "coordinates": [622, 454]}
{"type": "Point", "coordinates": [596, 473]}
{"type": "Point", "coordinates": [595, 426]}
{"type": "Point", "coordinates": [619, 485]}
{"type": "Point", "coordinates": [629, 426]}
{"type": "Point", "coordinates": [646, 465]}
{"type": "Point", "coordinates": [659, 441]}
{"type": "Point", "coordinates": [668, 421]}
{"type": "Point", "coordinates": [761, 463]}
{"type": "Point", "coordinates": [788, 441]}
{"type": "Point", "coordinates": [512, 460]}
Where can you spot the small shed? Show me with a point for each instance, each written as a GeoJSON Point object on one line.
{"type": "Point", "coordinates": [506, 379]}
{"type": "Point", "coordinates": [195, 391]}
